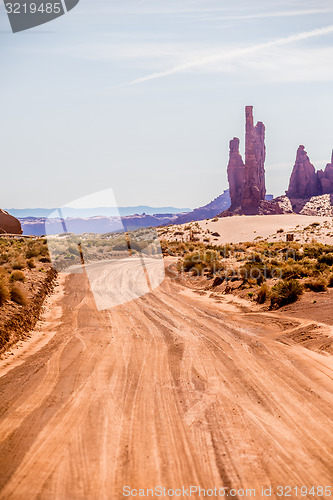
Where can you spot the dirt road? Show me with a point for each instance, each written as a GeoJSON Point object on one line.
{"type": "Point", "coordinates": [169, 389]}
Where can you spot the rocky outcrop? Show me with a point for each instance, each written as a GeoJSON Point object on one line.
{"type": "Point", "coordinates": [207, 211]}
{"type": "Point", "coordinates": [254, 189]}
{"type": "Point", "coordinates": [304, 180]}
{"type": "Point", "coordinates": [325, 178]}
{"type": "Point", "coordinates": [247, 180]}
{"type": "Point", "coordinates": [9, 224]}
{"type": "Point", "coordinates": [236, 174]}
{"type": "Point", "coordinates": [284, 203]}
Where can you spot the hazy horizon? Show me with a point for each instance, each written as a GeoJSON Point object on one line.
{"type": "Point", "coordinates": [144, 97]}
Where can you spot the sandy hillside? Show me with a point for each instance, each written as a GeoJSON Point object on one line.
{"type": "Point", "coordinates": [247, 228]}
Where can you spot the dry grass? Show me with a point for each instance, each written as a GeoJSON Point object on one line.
{"type": "Point", "coordinates": [276, 270]}
{"type": "Point", "coordinates": [285, 292]}
{"type": "Point", "coordinates": [19, 259]}
{"type": "Point", "coordinates": [18, 294]}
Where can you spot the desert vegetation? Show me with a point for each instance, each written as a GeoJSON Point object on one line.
{"type": "Point", "coordinates": [272, 273]}
{"type": "Point", "coordinates": [20, 260]}
{"type": "Point", "coordinates": [25, 278]}
{"type": "Point", "coordinates": [70, 250]}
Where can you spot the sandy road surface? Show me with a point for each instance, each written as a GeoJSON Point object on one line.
{"type": "Point", "coordinates": [165, 390]}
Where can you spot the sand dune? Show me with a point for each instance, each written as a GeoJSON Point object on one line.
{"type": "Point", "coordinates": [247, 228]}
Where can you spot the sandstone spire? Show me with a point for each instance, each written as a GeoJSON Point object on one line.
{"type": "Point", "coordinates": [255, 153]}
{"type": "Point", "coordinates": [236, 173]}
{"type": "Point", "coordinates": [304, 181]}
{"type": "Point", "coordinates": [247, 181]}
{"type": "Point", "coordinates": [325, 178]}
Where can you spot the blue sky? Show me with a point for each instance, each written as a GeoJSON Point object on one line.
{"type": "Point", "coordinates": [144, 96]}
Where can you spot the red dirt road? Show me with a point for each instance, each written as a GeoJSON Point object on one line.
{"type": "Point", "coordinates": [169, 390]}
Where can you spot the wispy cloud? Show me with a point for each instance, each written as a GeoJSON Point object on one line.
{"type": "Point", "coordinates": [287, 13]}
{"type": "Point", "coordinates": [233, 54]}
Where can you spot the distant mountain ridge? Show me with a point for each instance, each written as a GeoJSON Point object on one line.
{"type": "Point", "coordinates": [38, 226]}
{"type": "Point", "coordinates": [208, 211]}
{"type": "Point", "coordinates": [98, 211]}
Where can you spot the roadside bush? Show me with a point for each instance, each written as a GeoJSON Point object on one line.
{"type": "Point", "coordinates": [316, 284]}
{"type": "Point", "coordinates": [18, 264]}
{"type": "Point", "coordinates": [263, 294]}
{"type": "Point", "coordinates": [285, 292]}
{"type": "Point", "coordinates": [44, 260]}
{"type": "Point", "coordinates": [17, 276]}
{"type": "Point", "coordinates": [31, 252]}
{"type": "Point", "coordinates": [293, 271]}
{"type": "Point", "coordinates": [326, 258]}
{"type": "Point", "coordinates": [330, 280]}
{"type": "Point", "coordinates": [4, 291]}
{"type": "Point", "coordinates": [200, 261]}
{"type": "Point", "coordinates": [18, 295]}
{"type": "Point", "coordinates": [31, 263]}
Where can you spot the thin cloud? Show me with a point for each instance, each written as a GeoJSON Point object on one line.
{"type": "Point", "coordinates": [286, 13]}
{"type": "Point", "coordinates": [233, 54]}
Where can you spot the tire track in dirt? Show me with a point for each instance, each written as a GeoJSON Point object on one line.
{"type": "Point", "coordinates": [169, 390]}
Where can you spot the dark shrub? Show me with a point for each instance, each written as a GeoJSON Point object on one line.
{"type": "Point", "coordinates": [17, 276]}
{"type": "Point", "coordinates": [263, 294]}
{"type": "Point", "coordinates": [326, 258]}
{"type": "Point", "coordinates": [4, 291]}
{"type": "Point", "coordinates": [18, 264]}
{"type": "Point", "coordinates": [286, 292]}
{"type": "Point", "coordinates": [316, 284]}
{"type": "Point", "coordinates": [31, 263]}
{"type": "Point", "coordinates": [18, 295]}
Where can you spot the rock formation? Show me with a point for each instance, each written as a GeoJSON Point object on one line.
{"type": "Point", "coordinates": [254, 189]}
{"type": "Point", "coordinates": [236, 174]}
{"type": "Point", "coordinates": [247, 181]}
{"type": "Point", "coordinates": [9, 224]}
{"type": "Point", "coordinates": [304, 181]}
{"type": "Point", "coordinates": [325, 178]}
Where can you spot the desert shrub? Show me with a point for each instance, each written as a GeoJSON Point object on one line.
{"type": "Point", "coordinates": [31, 263]}
{"type": "Point", "coordinates": [293, 271]}
{"type": "Point", "coordinates": [259, 271]}
{"type": "Point", "coordinates": [326, 258]}
{"type": "Point", "coordinates": [190, 261]}
{"type": "Point", "coordinates": [285, 292]}
{"type": "Point", "coordinates": [31, 252]}
{"type": "Point", "coordinates": [18, 295]}
{"type": "Point", "coordinates": [45, 259]}
{"type": "Point", "coordinates": [18, 264]}
{"type": "Point", "coordinates": [198, 261]}
{"type": "Point", "coordinates": [280, 230]}
{"type": "Point", "coordinates": [73, 250]}
{"type": "Point", "coordinates": [315, 250]}
{"type": "Point", "coordinates": [316, 284]}
{"type": "Point", "coordinates": [17, 276]}
{"type": "Point", "coordinates": [330, 280]}
{"type": "Point", "coordinates": [4, 257]}
{"type": "Point", "coordinates": [4, 291]}
{"type": "Point", "coordinates": [263, 294]}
